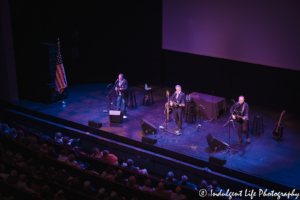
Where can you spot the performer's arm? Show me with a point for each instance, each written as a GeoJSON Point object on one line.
{"type": "Point", "coordinates": [231, 109]}
{"type": "Point", "coordinates": [246, 112]}
{"type": "Point", "coordinates": [182, 102]}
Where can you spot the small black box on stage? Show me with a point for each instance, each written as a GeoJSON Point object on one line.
{"type": "Point", "coordinates": [115, 116]}
{"type": "Point", "coordinates": [147, 127]}
{"type": "Point", "coordinates": [95, 124]}
{"type": "Point", "coordinates": [217, 161]}
{"type": "Point", "coordinates": [149, 140]}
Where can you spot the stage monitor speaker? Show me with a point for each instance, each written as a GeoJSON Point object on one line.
{"type": "Point", "coordinates": [217, 160]}
{"type": "Point", "coordinates": [147, 127]}
{"type": "Point", "coordinates": [149, 140]}
{"type": "Point", "coordinates": [215, 144]}
{"type": "Point", "coordinates": [115, 116]}
{"type": "Point", "coordinates": [95, 124]}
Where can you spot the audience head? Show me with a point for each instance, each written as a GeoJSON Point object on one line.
{"type": "Point", "coordinates": [51, 170]}
{"type": "Point", "coordinates": [4, 127]}
{"type": "Point", "coordinates": [170, 175]}
{"type": "Point", "coordinates": [51, 150]}
{"type": "Point", "coordinates": [131, 181]}
{"type": "Point", "coordinates": [19, 158]}
{"type": "Point", "coordinates": [60, 193]}
{"type": "Point", "coordinates": [64, 152]}
{"type": "Point", "coordinates": [161, 186]}
{"type": "Point", "coordinates": [45, 148]}
{"type": "Point", "coordinates": [20, 133]}
{"type": "Point", "coordinates": [12, 132]}
{"type": "Point", "coordinates": [33, 140]}
{"type": "Point", "coordinates": [113, 195]}
{"type": "Point", "coordinates": [23, 177]}
{"type": "Point", "coordinates": [203, 185]}
{"type": "Point", "coordinates": [184, 178]}
{"type": "Point", "coordinates": [129, 162]}
{"type": "Point", "coordinates": [148, 183]}
{"type": "Point", "coordinates": [14, 173]}
{"type": "Point", "coordinates": [96, 151]}
{"type": "Point", "coordinates": [66, 140]}
{"type": "Point", "coordinates": [119, 173]}
{"type": "Point", "coordinates": [86, 184]}
{"type": "Point", "coordinates": [58, 135]}
{"type": "Point", "coordinates": [178, 190]}
{"type": "Point", "coordinates": [105, 153]}
{"type": "Point", "coordinates": [120, 160]}
{"type": "Point", "coordinates": [101, 192]}
{"type": "Point", "coordinates": [71, 157]}
{"type": "Point", "coordinates": [214, 184]}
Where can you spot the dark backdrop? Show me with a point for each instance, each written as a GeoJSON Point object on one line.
{"type": "Point", "coordinates": [261, 85]}
{"type": "Point", "coordinates": [99, 39]}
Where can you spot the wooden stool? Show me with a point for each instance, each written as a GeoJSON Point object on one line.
{"type": "Point", "coordinates": [131, 99]}
{"type": "Point", "coordinates": [190, 111]}
{"type": "Point", "coordinates": [148, 96]}
{"type": "Point", "coordinates": [258, 123]}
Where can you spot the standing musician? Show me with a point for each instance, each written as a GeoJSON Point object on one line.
{"type": "Point", "coordinates": [121, 87]}
{"type": "Point", "coordinates": [178, 101]}
{"type": "Point", "coordinates": [239, 111]}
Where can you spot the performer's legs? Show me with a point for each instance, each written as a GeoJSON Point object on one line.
{"type": "Point", "coordinates": [245, 128]}
{"type": "Point", "coordinates": [179, 118]}
{"type": "Point", "coordinates": [119, 102]}
{"type": "Point", "coordinates": [239, 132]}
{"type": "Point", "coordinates": [124, 104]}
{"type": "Point", "coordinates": [176, 116]}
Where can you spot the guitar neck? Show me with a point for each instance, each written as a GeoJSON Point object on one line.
{"type": "Point", "coordinates": [279, 123]}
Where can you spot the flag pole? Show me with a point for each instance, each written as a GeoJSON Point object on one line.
{"type": "Point", "coordinates": [62, 90]}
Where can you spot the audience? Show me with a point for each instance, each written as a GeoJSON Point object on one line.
{"type": "Point", "coordinates": [96, 153]}
{"type": "Point", "coordinates": [184, 182]}
{"type": "Point", "coordinates": [109, 174]}
{"type": "Point", "coordinates": [171, 178]}
{"type": "Point", "coordinates": [120, 162]}
{"type": "Point", "coordinates": [132, 182]}
{"type": "Point", "coordinates": [160, 191]}
{"type": "Point", "coordinates": [22, 183]}
{"type": "Point", "coordinates": [119, 177]}
{"type": "Point", "coordinates": [62, 178]}
{"type": "Point", "coordinates": [63, 155]}
{"type": "Point", "coordinates": [101, 194]}
{"type": "Point", "coordinates": [5, 128]}
{"type": "Point", "coordinates": [87, 189]}
{"type": "Point", "coordinates": [177, 195]}
{"type": "Point", "coordinates": [147, 186]}
{"type": "Point", "coordinates": [108, 158]}
{"type": "Point", "coordinates": [13, 177]}
{"type": "Point", "coordinates": [71, 161]}
{"type": "Point", "coordinates": [3, 175]}
{"type": "Point", "coordinates": [12, 133]}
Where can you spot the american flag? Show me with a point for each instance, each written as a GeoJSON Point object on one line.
{"type": "Point", "coordinates": [60, 80]}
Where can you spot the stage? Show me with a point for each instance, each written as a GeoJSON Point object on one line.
{"type": "Point", "coordinates": [274, 160]}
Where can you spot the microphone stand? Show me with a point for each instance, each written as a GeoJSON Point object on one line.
{"type": "Point", "coordinates": [110, 101]}
{"type": "Point", "coordinates": [199, 125]}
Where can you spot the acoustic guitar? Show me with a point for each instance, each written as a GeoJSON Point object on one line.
{"type": "Point", "coordinates": [278, 130]}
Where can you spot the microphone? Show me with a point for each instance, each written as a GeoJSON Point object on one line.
{"type": "Point", "coordinates": [116, 80]}
{"type": "Point", "coordinates": [109, 84]}
{"type": "Point", "coordinates": [202, 106]}
{"type": "Point", "coordinates": [233, 100]}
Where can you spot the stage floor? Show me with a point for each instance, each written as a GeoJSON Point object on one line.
{"type": "Point", "coordinates": [277, 161]}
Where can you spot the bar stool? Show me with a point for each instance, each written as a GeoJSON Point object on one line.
{"type": "Point", "coordinates": [190, 111]}
{"type": "Point", "coordinates": [258, 124]}
{"type": "Point", "coordinates": [148, 96]}
{"type": "Point", "coordinates": [131, 99]}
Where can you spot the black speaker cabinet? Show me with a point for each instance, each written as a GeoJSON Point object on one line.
{"type": "Point", "coordinates": [95, 124]}
{"type": "Point", "coordinates": [115, 116]}
{"type": "Point", "coordinates": [147, 127]}
{"type": "Point", "coordinates": [149, 140]}
{"type": "Point", "coordinates": [215, 144]}
{"type": "Point", "coordinates": [217, 160]}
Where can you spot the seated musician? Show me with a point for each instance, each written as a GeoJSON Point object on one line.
{"type": "Point", "coordinates": [178, 101]}
{"type": "Point", "coordinates": [239, 111]}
